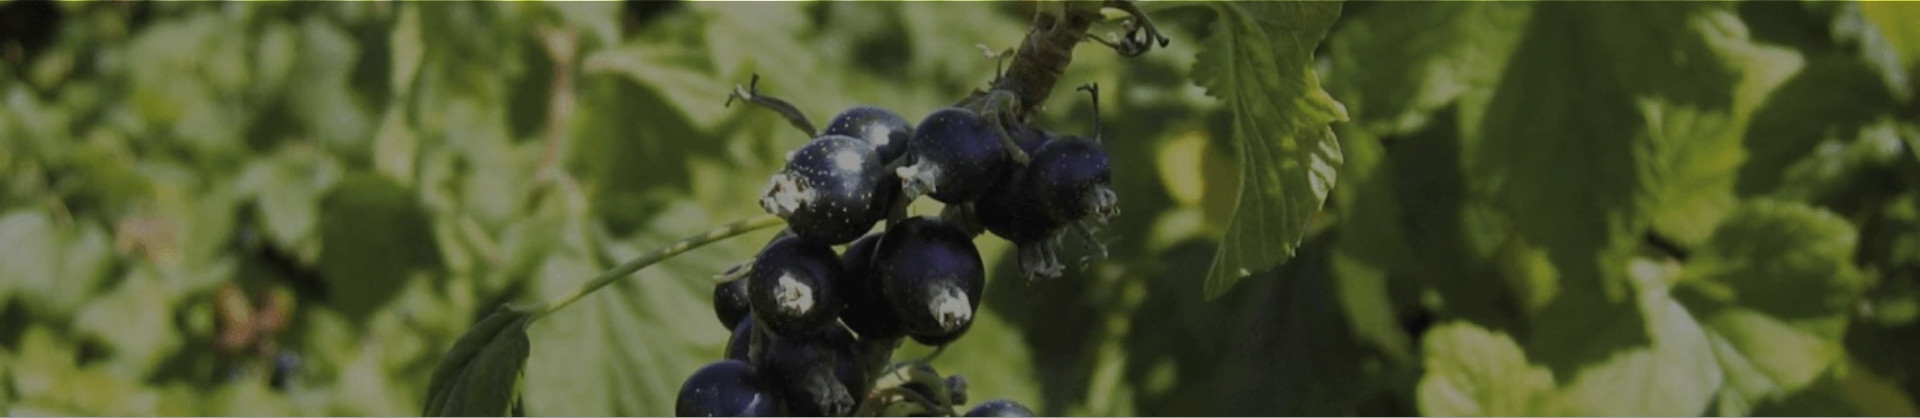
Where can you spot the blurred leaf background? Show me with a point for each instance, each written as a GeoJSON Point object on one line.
{"type": "Point", "coordinates": [1556, 208]}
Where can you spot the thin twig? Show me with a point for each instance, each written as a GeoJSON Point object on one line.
{"type": "Point", "coordinates": [683, 245]}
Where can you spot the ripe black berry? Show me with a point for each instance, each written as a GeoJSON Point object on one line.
{"type": "Point", "coordinates": [1000, 408]}
{"type": "Point", "coordinates": [931, 273]}
{"type": "Point", "coordinates": [848, 365]}
{"type": "Point", "coordinates": [1012, 211]}
{"type": "Point", "coordinates": [955, 156]}
{"type": "Point", "coordinates": [791, 288]}
{"type": "Point", "coordinates": [728, 388]}
{"type": "Point", "coordinates": [831, 190]}
{"type": "Point", "coordinates": [868, 312]}
{"type": "Point", "coordinates": [1014, 215]}
{"type": "Point", "coordinates": [1069, 179]}
{"type": "Point", "coordinates": [740, 346]}
{"type": "Point", "coordinates": [805, 371]}
{"type": "Point", "coordinates": [886, 130]}
{"type": "Point", "coordinates": [730, 302]}
{"type": "Point", "coordinates": [957, 389]}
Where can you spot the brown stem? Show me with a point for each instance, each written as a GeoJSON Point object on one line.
{"type": "Point", "coordinates": [1045, 53]}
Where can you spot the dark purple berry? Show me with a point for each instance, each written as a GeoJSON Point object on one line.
{"type": "Point", "coordinates": [730, 302]}
{"type": "Point", "coordinates": [886, 130]}
{"type": "Point", "coordinates": [931, 273]}
{"type": "Point", "coordinates": [1000, 408]}
{"type": "Point", "coordinates": [728, 388]}
{"type": "Point", "coordinates": [954, 156]}
{"type": "Point", "coordinates": [957, 389]}
{"type": "Point", "coordinates": [791, 288]}
{"type": "Point", "coordinates": [848, 366]}
{"type": "Point", "coordinates": [829, 190]}
{"type": "Point", "coordinates": [806, 372]}
{"type": "Point", "coordinates": [868, 313]}
{"type": "Point", "coordinates": [1069, 179]}
{"type": "Point", "coordinates": [740, 346]}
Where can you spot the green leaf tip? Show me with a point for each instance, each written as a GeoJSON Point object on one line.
{"type": "Point", "coordinates": [480, 375]}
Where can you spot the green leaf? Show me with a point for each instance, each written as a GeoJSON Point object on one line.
{"type": "Point", "coordinates": [673, 73]}
{"type": "Point", "coordinates": [1673, 375]}
{"type": "Point", "coordinates": [51, 268]}
{"type": "Point", "coordinates": [287, 187]}
{"type": "Point", "coordinates": [1787, 260]}
{"type": "Point", "coordinates": [1471, 371]}
{"type": "Point", "coordinates": [480, 375]}
{"type": "Point", "coordinates": [374, 235]}
{"type": "Point", "coordinates": [320, 97]}
{"type": "Point", "coordinates": [1765, 358]}
{"type": "Point", "coordinates": [135, 322]}
{"type": "Point", "coordinates": [1840, 170]}
{"type": "Point", "coordinates": [1652, 82]}
{"type": "Point", "coordinates": [1393, 66]}
{"type": "Point", "coordinates": [1895, 20]}
{"type": "Point", "coordinates": [1867, 38]}
{"type": "Point", "coordinates": [1849, 391]}
{"type": "Point", "coordinates": [626, 349]}
{"type": "Point", "coordinates": [1260, 62]}
{"type": "Point", "coordinates": [1829, 94]}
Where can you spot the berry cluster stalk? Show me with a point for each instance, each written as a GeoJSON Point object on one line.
{"type": "Point", "coordinates": [1043, 56]}
{"type": "Point", "coordinates": [683, 245]}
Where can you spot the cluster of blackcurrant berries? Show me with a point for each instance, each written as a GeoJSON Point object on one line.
{"type": "Point", "coordinates": [815, 330]}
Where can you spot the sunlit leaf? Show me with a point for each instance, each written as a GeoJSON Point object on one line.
{"type": "Point", "coordinates": [135, 323]}
{"type": "Point", "coordinates": [1475, 372]}
{"type": "Point", "coordinates": [1673, 374]}
{"type": "Point", "coordinates": [1260, 61]}
{"type": "Point", "coordinates": [53, 268]}
{"type": "Point", "coordinates": [1765, 358]}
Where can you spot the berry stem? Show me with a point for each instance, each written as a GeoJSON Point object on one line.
{"type": "Point", "coordinates": [751, 94]}
{"type": "Point", "coordinates": [657, 255]}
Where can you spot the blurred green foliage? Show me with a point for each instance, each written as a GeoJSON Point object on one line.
{"type": "Point", "coordinates": [1544, 209]}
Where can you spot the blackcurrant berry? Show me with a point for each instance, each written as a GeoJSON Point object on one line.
{"type": "Point", "coordinates": [931, 273]}
{"type": "Point", "coordinates": [831, 190]}
{"type": "Point", "coordinates": [728, 388]}
{"type": "Point", "coordinates": [848, 365]}
{"type": "Point", "coordinates": [806, 372]}
{"type": "Point", "coordinates": [957, 389]}
{"type": "Point", "coordinates": [1011, 211]}
{"type": "Point", "coordinates": [791, 288]}
{"type": "Point", "coordinates": [730, 302]}
{"type": "Point", "coordinates": [886, 130]}
{"type": "Point", "coordinates": [1000, 408]}
{"type": "Point", "coordinates": [868, 313]}
{"type": "Point", "coordinates": [955, 156]}
{"type": "Point", "coordinates": [1069, 179]}
{"type": "Point", "coordinates": [1013, 215]}
{"type": "Point", "coordinates": [740, 346]}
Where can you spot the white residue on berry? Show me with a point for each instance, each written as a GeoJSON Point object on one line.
{"type": "Point", "coordinates": [784, 195]}
{"type": "Point", "coordinates": [794, 296]}
{"type": "Point", "coordinates": [952, 308]}
{"type": "Point", "coordinates": [877, 134]}
{"type": "Point", "coordinates": [847, 160]}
